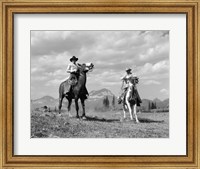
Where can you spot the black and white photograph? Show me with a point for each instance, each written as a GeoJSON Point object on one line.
{"type": "Point", "coordinates": [99, 84]}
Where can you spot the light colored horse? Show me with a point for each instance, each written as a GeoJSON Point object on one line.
{"type": "Point", "coordinates": [131, 105]}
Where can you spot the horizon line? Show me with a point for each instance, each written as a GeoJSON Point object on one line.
{"type": "Point", "coordinates": [98, 90]}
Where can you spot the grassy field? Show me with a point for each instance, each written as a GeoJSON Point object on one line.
{"type": "Point", "coordinates": [99, 125]}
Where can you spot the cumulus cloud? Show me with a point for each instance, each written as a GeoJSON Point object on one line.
{"type": "Point", "coordinates": [164, 91]}
{"type": "Point", "coordinates": [146, 52]}
{"type": "Point", "coordinates": [38, 78]}
{"type": "Point", "coordinates": [157, 70]}
{"type": "Point", "coordinates": [155, 76]}
{"type": "Point", "coordinates": [160, 50]}
{"type": "Point", "coordinates": [36, 70]}
{"type": "Point", "coordinates": [54, 82]}
{"type": "Point", "coordinates": [150, 82]}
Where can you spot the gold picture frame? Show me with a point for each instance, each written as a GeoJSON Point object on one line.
{"type": "Point", "coordinates": [10, 7]}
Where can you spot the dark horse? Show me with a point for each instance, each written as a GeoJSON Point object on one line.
{"type": "Point", "coordinates": [77, 91]}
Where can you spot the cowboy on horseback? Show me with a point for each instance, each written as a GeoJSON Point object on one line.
{"type": "Point", "coordinates": [129, 98]}
{"type": "Point", "coordinates": [130, 81]}
{"type": "Point", "coordinates": [73, 69]}
{"type": "Point", "coordinates": [75, 91]}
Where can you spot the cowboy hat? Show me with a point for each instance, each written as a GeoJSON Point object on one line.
{"type": "Point", "coordinates": [128, 69]}
{"type": "Point", "coordinates": [73, 58]}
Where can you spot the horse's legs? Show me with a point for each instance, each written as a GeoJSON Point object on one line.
{"type": "Point", "coordinates": [129, 104]}
{"type": "Point", "coordinates": [83, 106]}
{"type": "Point", "coordinates": [135, 113]}
{"type": "Point", "coordinates": [124, 110]}
{"type": "Point", "coordinates": [69, 107]}
{"type": "Point", "coordinates": [129, 108]}
{"type": "Point", "coordinates": [60, 103]}
{"type": "Point", "coordinates": [77, 108]}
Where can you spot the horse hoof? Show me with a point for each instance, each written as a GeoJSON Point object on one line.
{"type": "Point", "coordinates": [137, 121]}
{"type": "Point", "coordinates": [59, 115]}
{"type": "Point", "coordinates": [122, 120]}
{"type": "Point", "coordinates": [84, 118]}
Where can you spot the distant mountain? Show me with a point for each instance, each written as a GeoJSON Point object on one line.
{"type": "Point", "coordinates": [166, 102]}
{"type": "Point", "coordinates": [145, 103]}
{"type": "Point", "coordinates": [99, 94]}
{"type": "Point", "coordinates": [157, 100]}
{"type": "Point", "coordinates": [96, 97]}
{"type": "Point", "coordinates": [44, 101]}
{"type": "Point", "coordinates": [95, 100]}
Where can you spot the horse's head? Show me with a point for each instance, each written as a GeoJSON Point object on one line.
{"type": "Point", "coordinates": [85, 67]}
{"type": "Point", "coordinates": [89, 66]}
{"type": "Point", "coordinates": [134, 80]}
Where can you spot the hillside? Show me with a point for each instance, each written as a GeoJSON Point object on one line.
{"type": "Point", "coordinates": [99, 94]}
{"type": "Point", "coordinates": [95, 101]}
{"type": "Point", "coordinates": [44, 101]}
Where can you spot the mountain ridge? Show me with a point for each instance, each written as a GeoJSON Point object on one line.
{"type": "Point", "coordinates": [96, 99]}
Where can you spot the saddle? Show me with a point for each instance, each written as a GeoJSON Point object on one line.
{"type": "Point", "coordinates": [73, 80]}
{"type": "Point", "coordinates": [132, 98]}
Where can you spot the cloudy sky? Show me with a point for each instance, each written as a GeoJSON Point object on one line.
{"type": "Point", "coordinates": [146, 52]}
